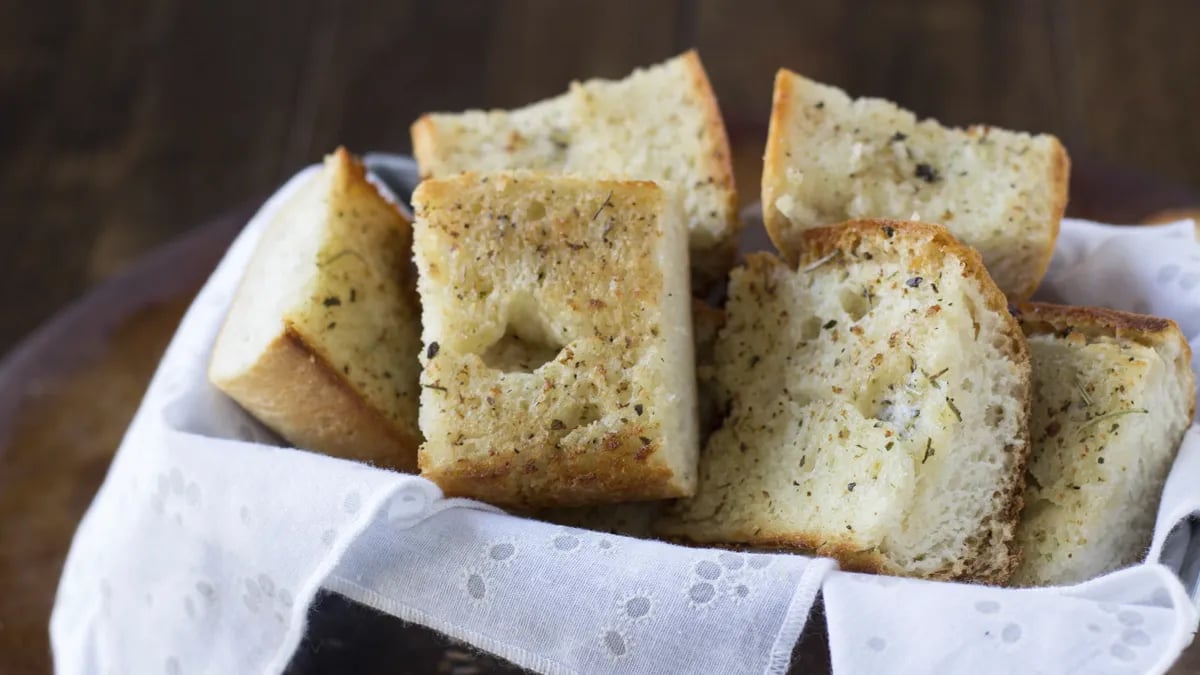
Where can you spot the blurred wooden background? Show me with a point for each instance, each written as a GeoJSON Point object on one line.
{"type": "Point", "coordinates": [124, 123]}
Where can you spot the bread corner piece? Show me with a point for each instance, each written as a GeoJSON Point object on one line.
{"type": "Point", "coordinates": [321, 341]}
{"type": "Point", "coordinates": [660, 124]}
{"type": "Point", "coordinates": [878, 405]}
{"type": "Point", "coordinates": [830, 157]}
{"type": "Point", "coordinates": [1113, 395]}
{"type": "Point", "coordinates": [558, 358]}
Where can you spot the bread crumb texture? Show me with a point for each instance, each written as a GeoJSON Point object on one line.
{"type": "Point", "coordinates": [636, 519]}
{"type": "Point", "coordinates": [660, 123]}
{"type": "Point", "coordinates": [1113, 395]}
{"type": "Point", "coordinates": [830, 157]}
{"type": "Point", "coordinates": [877, 404]}
{"type": "Point", "coordinates": [321, 341]}
{"type": "Point", "coordinates": [558, 344]}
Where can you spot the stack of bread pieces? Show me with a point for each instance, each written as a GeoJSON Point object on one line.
{"type": "Point", "coordinates": [879, 390]}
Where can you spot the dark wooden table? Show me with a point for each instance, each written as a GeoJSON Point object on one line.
{"type": "Point", "coordinates": [125, 123]}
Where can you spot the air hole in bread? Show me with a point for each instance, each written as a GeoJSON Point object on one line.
{"type": "Point", "coordinates": [512, 354]}
{"type": "Point", "coordinates": [973, 311]}
{"type": "Point", "coordinates": [854, 303]}
{"type": "Point", "coordinates": [535, 211]}
{"type": "Point", "coordinates": [588, 414]}
{"type": "Point", "coordinates": [528, 343]}
{"type": "Point", "coordinates": [811, 328]}
{"type": "Point", "coordinates": [995, 414]}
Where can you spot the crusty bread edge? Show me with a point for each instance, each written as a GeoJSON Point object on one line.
{"type": "Point", "coordinates": [773, 164]}
{"type": "Point", "coordinates": [423, 132]}
{"type": "Point", "coordinates": [850, 558]}
{"type": "Point", "coordinates": [271, 385]}
{"type": "Point", "coordinates": [497, 480]}
{"type": "Point", "coordinates": [787, 241]}
{"type": "Point", "coordinates": [1060, 179]}
{"type": "Point", "coordinates": [720, 257]}
{"type": "Point", "coordinates": [1043, 318]}
{"type": "Point", "coordinates": [443, 187]}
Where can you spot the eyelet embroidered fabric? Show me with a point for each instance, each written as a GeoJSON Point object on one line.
{"type": "Point", "coordinates": [206, 544]}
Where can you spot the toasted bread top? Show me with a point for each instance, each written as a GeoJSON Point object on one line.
{"type": "Point", "coordinates": [1087, 324]}
{"type": "Point", "coordinates": [558, 360]}
{"type": "Point", "coordinates": [830, 157]}
{"type": "Point", "coordinates": [660, 123]}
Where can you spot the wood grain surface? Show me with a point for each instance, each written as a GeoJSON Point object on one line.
{"type": "Point", "coordinates": [127, 121]}
{"type": "Point", "coordinates": [124, 123]}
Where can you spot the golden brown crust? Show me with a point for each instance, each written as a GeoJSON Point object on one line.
{"type": "Point", "coordinates": [576, 475]}
{"type": "Point", "coordinates": [347, 172]}
{"type": "Point", "coordinates": [773, 159]}
{"type": "Point", "coordinates": [1060, 182]}
{"type": "Point", "coordinates": [1040, 318]}
{"type": "Point", "coordinates": [849, 557]}
{"type": "Point", "coordinates": [441, 188]}
{"type": "Point", "coordinates": [719, 258]}
{"type": "Point", "coordinates": [293, 390]}
{"type": "Point", "coordinates": [1062, 190]}
{"type": "Point", "coordinates": [1043, 318]}
{"type": "Point", "coordinates": [423, 133]}
{"type": "Point", "coordinates": [849, 237]}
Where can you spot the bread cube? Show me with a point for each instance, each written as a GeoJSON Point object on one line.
{"type": "Point", "coordinates": [321, 341]}
{"type": "Point", "coordinates": [660, 124]}
{"type": "Point", "coordinates": [878, 400]}
{"type": "Point", "coordinates": [830, 158]}
{"type": "Point", "coordinates": [558, 344]}
{"type": "Point", "coordinates": [1113, 394]}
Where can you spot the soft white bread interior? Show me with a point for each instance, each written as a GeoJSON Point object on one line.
{"type": "Point", "coordinates": [321, 341]}
{"type": "Point", "coordinates": [635, 519]}
{"type": "Point", "coordinates": [558, 358]}
{"type": "Point", "coordinates": [878, 398]}
{"type": "Point", "coordinates": [1113, 394]}
{"type": "Point", "coordinates": [660, 124]}
{"type": "Point", "coordinates": [830, 157]}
